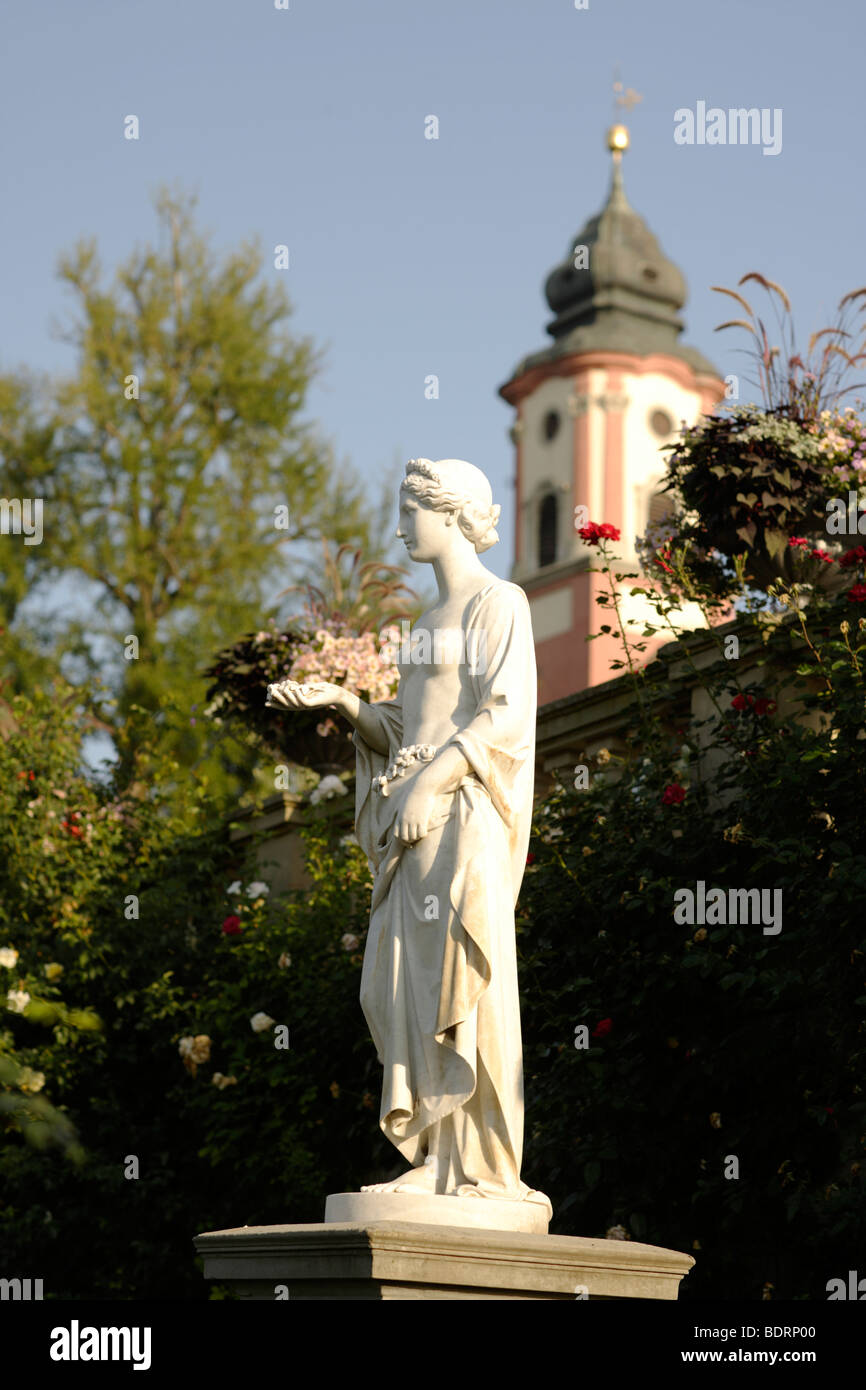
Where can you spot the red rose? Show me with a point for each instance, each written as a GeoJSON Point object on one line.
{"type": "Point", "coordinates": [764, 706]}
{"type": "Point", "coordinates": [857, 594]}
{"type": "Point", "coordinates": [741, 702]}
{"type": "Point", "coordinates": [673, 794]}
{"type": "Point", "coordinates": [857, 556]}
{"type": "Point", "coordinates": [602, 1029]}
{"type": "Point", "coordinates": [530, 858]}
{"type": "Point", "coordinates": [798, 540]}
{"type": "Point", "coordinates": [232, 926]}
{"type": "Point", "coordinates": [594, 532]}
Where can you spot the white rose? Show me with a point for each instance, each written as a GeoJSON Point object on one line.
{"type": "Point", "coordinates": [17, 1000]}
{"type": "Point", "coordinates": [8, 957]}
{"type": "Point", "coordinates": [31, 1081]}
{"type": "Point", "coordinates": [328, 787]}
{"type": "Point", "coordinates": [284, 961]}
{"type": "Point", "coordinates": [235, 887]}
{"type": "Point", "coordinates": [260, 1022]}
{"type": "Point", "coordinates": [257, 889]}
{"type": "Point", "coordinates": [349, 942]}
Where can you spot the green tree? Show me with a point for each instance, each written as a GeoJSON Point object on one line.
{"type": "Point", "coordinates": [180, 478]}
{"type": "Point", "coordinates": [26, 433]}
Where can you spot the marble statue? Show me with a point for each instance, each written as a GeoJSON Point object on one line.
{"type": "Point", "coordinates": [444, 792]}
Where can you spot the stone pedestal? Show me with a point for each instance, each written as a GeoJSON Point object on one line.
{"type": "Point", "coordinates": [416, 1260]}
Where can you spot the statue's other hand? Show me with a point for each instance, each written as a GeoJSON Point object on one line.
{"type": "Point", "coordinates": [309, 695]}
{"type": "Point", "coordinates": [413, 819]}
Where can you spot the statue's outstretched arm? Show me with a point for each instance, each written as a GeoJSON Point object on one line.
{"type": "Point", "coordinates": [327, 695]}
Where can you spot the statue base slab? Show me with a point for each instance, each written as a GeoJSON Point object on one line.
{"type": "Point", "coordinates": [433, 1209]}
{"type": "Point", "coordinates": [400, 1260]}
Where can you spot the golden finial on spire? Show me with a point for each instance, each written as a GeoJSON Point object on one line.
{"type": "Point", "coordinates": [617, 135]}
{"type": "Point", "coordinates": [617, 139]}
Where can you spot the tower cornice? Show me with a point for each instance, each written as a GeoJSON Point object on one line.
{"type": "Point", "coordinates": [538, 368]}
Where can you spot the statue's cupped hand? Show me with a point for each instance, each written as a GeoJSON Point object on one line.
{"type": "Point", "coordinates": [310, 695]}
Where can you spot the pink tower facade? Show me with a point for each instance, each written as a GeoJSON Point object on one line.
{"type": "Point", "coordinates": [592, 413]}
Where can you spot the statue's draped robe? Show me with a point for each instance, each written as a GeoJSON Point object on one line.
{"type": "Point", "coordinates": [439, 982]}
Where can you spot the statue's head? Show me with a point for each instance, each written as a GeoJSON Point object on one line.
{"type": "Point", "coordinates": [452, 485]}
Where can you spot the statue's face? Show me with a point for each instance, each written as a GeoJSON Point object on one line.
{"type": "Point", "coordinates": [421, 529]}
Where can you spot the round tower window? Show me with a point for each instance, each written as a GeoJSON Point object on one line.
{"type": "Point", "coordinates": [661, 423]}
{"type": "Point", "coordinates": [550, 424]}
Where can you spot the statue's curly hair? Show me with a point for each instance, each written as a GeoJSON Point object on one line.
{"type": "Point", "coordinates": [477, 516]}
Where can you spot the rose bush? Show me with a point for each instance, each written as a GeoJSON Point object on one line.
{"type": "Point", "coordinates": [722, 1113]}
{"type": "Point", "coordinates": [167, 1113]}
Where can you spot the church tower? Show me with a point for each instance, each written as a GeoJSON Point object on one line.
{"type": "Point", "coordinates": [592, 411]}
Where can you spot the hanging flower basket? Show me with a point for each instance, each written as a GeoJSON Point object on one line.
{"type": "Point", "coordinates": [318, 738]}
{"type": "Point", "coordinates": [751, 479]}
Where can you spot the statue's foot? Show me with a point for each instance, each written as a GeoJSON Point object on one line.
{"type": "Point", "coordinates": [421, 1179]}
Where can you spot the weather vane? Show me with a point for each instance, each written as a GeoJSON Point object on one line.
{"type": "Point", "coordinates": [625, 100]}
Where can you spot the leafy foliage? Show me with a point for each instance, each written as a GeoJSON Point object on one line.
{"type": "Point", "coordinates": [708, 1042]}
{"type": "Point", "coordinates": [293, 1125]}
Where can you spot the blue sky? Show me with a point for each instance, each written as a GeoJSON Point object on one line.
{"type": "Point", "coordinates": [412, 256]}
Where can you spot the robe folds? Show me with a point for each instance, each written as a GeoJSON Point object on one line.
{"type": "Point", "coordinates": [439, 980]}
